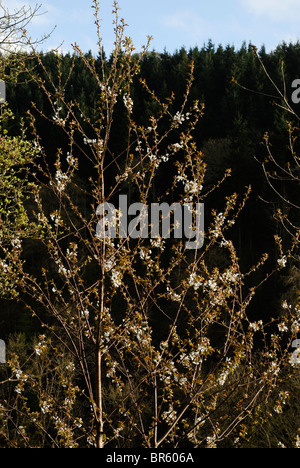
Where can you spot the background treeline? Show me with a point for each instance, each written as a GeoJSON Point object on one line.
{"type": "Point", "coordinates": [230, 135]}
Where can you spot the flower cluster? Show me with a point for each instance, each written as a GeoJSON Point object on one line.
{"type": "Point", "coordinates": [195, 281]}
{"type": "Point", "coordinates": [56, 218]}
{"type": "Point", "coordinates": [156, 159]}
{"type": "Point", "coordinates": [229, 369]}
{"type": "Point", "coordinates": [219, 222]}
{"type": "Point", "coordinates": [71, 252]}
{"type": "Point", "coordinates": [282, 262]}
{"type": "Point", "coordinates": [116, 278]}
{"type": "Point", "coordinates": [4, 266]}
{"type": "Point", "coordinates": [180, 118]}
{"type": "Point", "coordinates": [158, 243]}
{"type": "Point", "coordinates": [128, 102]}
{"type": "Point", "coordinates": [175, 297]}
{"type": "Point", "coordinates": [256, 326]}
{"type": "Point", "coordinates": [16, 242]}
{"type": "Point", "coordinates": [195, 356]}
{"type": "Point", "coordinates": [71, 160]}
{"type": "Point", "coordinates": [62, 270]}
{"type": "Point", "coordinates": [61, 180]}
{"type": "Point", "coordinates": [46, 406]}
{"type": "Point", "coordinates": [169, 416]}
{"type": "Point", "coordinates": [56, 118]}
{"type": "Point", "coordinates": [41, 347]}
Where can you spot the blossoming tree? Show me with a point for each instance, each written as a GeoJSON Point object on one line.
{"type": "Point", "coordinates": [145, 343]}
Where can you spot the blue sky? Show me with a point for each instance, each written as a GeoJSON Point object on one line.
{"type": "Point", "coordinates": [172, 23]}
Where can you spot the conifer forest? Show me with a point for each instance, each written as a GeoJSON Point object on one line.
{"type": "Point", "coordinates": [119, 341]}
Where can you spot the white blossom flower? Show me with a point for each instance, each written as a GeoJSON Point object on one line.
{"type": "Point", "coordinates": [56, 118]}
{"type": "Point", "coordinates": [154, 159]}
{"type": "Point", "coordinates": [37, 146]}
{"type": "Point", "coordinates": [42, 218]}
{"type": "Point", "coordinates": [123, 176]}
{"type": "Point", "coordinates": [112, 370]}
{"type": "Point", "coordinates": [179, 118]}
{"type": "Point", "coordinates": [71, 160]}
{"type": "Point", "coordinates": [255, 326]}
{"type": "Point", "coordinates": [145, 254]}
{"type": "Point", "coordinates": [4, 265]}
{"type": "Point", "coordinates": [55, 217]}
{"type": "Point", "coordinates": [224, 243]}
{"type": "Point", "coordinates": [284, 396]}
{"type": "Point", "coordinates": [158, 243]}
{"type": "Point", "coordinates": [165, 157]}
{"type": "Point", "coordinates": [231, 366]}
{"type": "Point", "coordinates": [71, 254]}
{"type": "Point", "coordinates": [176, 147]}
{"type": "Point", "coordinates": [108, 264]}
{"type": "Point", "coordinates": [195, 281]}
{"type": "Point", "coordinates": [170, 415]}
{"type": "Point", "coordinates": [174, 296]}
{"type": "Point", "coordinates": [281, 445]}
{"type": "Point", "coordinates": [128, 103]}
{"type": "Point", "coordinates": [274, 368]}
{"type": "Point", "coordinates": [230, 276]}
{"type": "Point", "coordinates": [61, 180]}
{"type": "Point", "coordinates": [45, 407]}
{"type": "Point", "coordinates": [111, 94]}
{"type": "Point", "coordinates": [41, 347]}
{"type": "Point", "coordinates": [85, 313]}
{"type": "Point", "coordinates": [295, 327]}
{"type": "Point", "coordinates": [211, 442]}
{"type": "Point", "coordinates": [78, 422]}
{"type": "Point", "coordinates": [212, 285]}
{"type": "Point", "coordinates": [62, 270]}
{"type": "Point", "coordinates": [163, 345]}
{"type": "Point", "coordinates": [220, 219]}
{"type": "Point", "coordinates": [282, 261]}
{"type": "Point", "coordinates": [16, 242]}
{"type": "Point", "coordinates": [116, 277]}
{"type": "Point", "coordinates": [70, 367]}
{"type": "Point", "coordinates": [282, 327]}
{"type": "Point", "coordinates": [18, 373]}
{"type": "Point", "coordinates": [180, 178]}
{"type": "Point", "coordinates": [193, 187]}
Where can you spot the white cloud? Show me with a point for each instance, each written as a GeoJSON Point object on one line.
{"type": "Point", "coordinates": [189, 26]}
{"type": "Point", "coordinates": [276, 10]}
{"type": "Point", "coordinates": [183, 20]}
